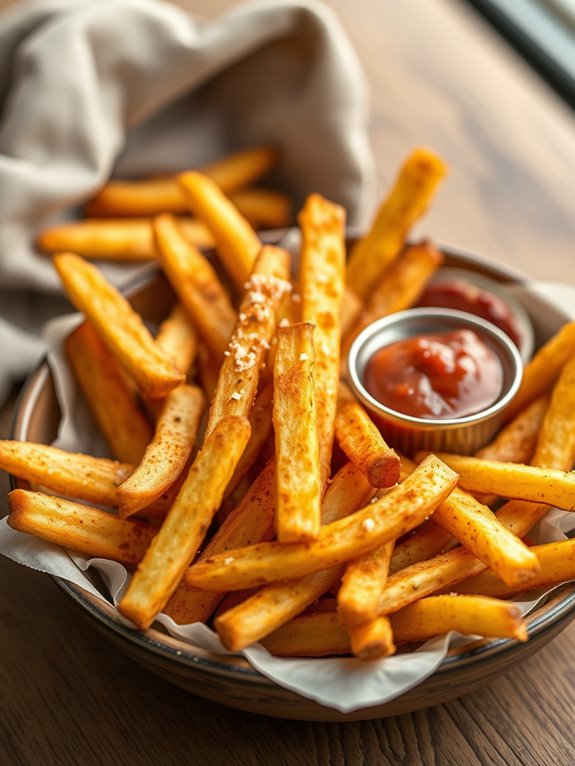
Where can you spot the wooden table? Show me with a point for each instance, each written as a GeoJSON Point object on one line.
{"type": "Point", "coordinates": [440, 77]}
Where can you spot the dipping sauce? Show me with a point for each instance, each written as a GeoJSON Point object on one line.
{"type": "Point", "coordinates": [464, 296]}
{"type": "Point", "coordinates": [450, 374]}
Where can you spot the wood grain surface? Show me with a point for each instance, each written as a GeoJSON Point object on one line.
{"type": "Point", "coordinates": [440, 77]}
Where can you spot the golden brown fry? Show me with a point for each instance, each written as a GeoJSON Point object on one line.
{"type": "Point", "coordinates": [265, 208]}
{"type": "Point", "coordinates": [407, 201]}
{"type": "Point", "coordinates": [310, 635]}
{"type": "Point", "coordinates": [474, 615]}
{"type": "Point", "coordinates": [186, 524]}
{"type": "Point", "coordinates": [400, 287]}
{"type": "Point", "coordinates": [299, 486]}
{"type": "Point", "coordinates": [78, 527]}
{"type": "Point", "coordinates": [146, 197]}
{"type": "Point", "coordinates": [237, 243]}
{"type": "Point", "coordinates": [514, 480]}
{"type": "Point", "coordinates": [372, 640]}
{"type": "Point", "coordinates": [257, 318]}
{"type": "Point", "coordinates": [112, 404]}
{"type": "Point", "coordinates": [241, 169]}
{"type": "Point", "coordinates": [260, 418]}
{"type": "Point", "coordinates": [544, 369]}
{"type": "Point", "coordinates": [516, 442]}
{"type": "Point", "coordinates": [427, 577]}
{"type": "Point", "coordinates": [93, 479]}
{"type": "Point", "coordinates": [196, 283]}
{"type": "Point", "coordinates": [351, 307]}
{"type": "Point", "coordinates": [208, 371]}
{"type": "Point", "coordinates": [555, 449]}
{"type": "Point", "coordinates": [129, 239]}
{"type": "Point", "coordinates": [319, 635]}
{"type": "Point", "coordinates": [400, 510]}
{"type": "Point", "coordinates": [426, 541]}
{"type": "Point", "coordinates": [118, 325]}
{"type": "Point", "coordinates": [322, 276]}
{"type": "Point", "coordinates": [168, 452]}
{"type": "Point", "coordinates": [275, 604]}
{"type": "Point", "coordinates": [250, 522]}
{"type": "Point", "coordinates": [178, 338]}
{"type": "Point", "coordinates": [362, 443]}
{"type": "Point", "coordinates": [153, 196]}
{"type": "Point", "coordinates": [556, 565]}
{"type": "Point", "coordinates": [480, 531]}
{"type": "Point", "coordinates": [362, 585]}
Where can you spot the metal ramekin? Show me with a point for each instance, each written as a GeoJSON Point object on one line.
{"type": "Point", "coordinates": [464, 435]}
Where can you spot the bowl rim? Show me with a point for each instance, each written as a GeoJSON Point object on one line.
{"type": "Point", "coordinates": [560, 603]}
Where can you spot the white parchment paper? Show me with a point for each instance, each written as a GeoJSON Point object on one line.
{"type": "Point", "coordinates": [345, 684]}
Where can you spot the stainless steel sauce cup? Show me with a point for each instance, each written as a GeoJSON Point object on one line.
{"type": "Point", "coordinates": [464, 435]}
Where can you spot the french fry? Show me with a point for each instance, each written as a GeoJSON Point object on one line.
{"type": "Point", "coordinates": [556, 443]}
{"type": "Point", "coordinates": [350, 311]}
{"type": "Point", "coordinates": [168, 452]}
{"type": "Point", "coordinates": [322, 271]}
{"type": "Point", "coordinates": [237, 243]}
{"type": "Point", "coordinates": [407, 201]}
{"type": "Point", "coordinates": [118, 325]}
{"type": "Point", "coordinates": [427, 577]}
{"type": "Point", "coordinates": [241, 169]}
{"type": "Point", "coordinates": [80, 528]}
{"type": "Point", "coordinates": [362, 585]}
{"type": "Point", "coordinates": [555, 449]}
{"type": "Point", "coordinates": [474, 615]}
{"type": "Point", "coordinates": [404, 281]}
{"type": "Point", "coordinates": [208, 371]}
{"type": "Point", "coordinates": [320, 635]}
{"type": "Point", "coordinates": [399, 288]}
{"type": "Point", "coordinates": [252, 521]}
{"type": "Point", "coordinates": [480, 531]}
{"type": "Point", "coordinates": [83, 477]}
{"type": "Point", "coordinates": [372, 640]}
{"type": "Point", "coordinates": [556, 565]}
{"type": "Point", "coordinates": [544, 369]}
{"type": "Point", "coordinates": [516, 442]}
{"type": "Point", "coordinates": [186, 524]}
{"type": "Point", "coordinates": [299, 486]}
{"type": "Point", "coordinates": [93, 479]}
{"type": "Point", "coordinates": [196, 283]}
{"type": "Point", "coordinates": [425, 542]}
{"type": "Point", "coordinates": [163, 195]}
{"type": "Point", "coordinates": [264, 208]}
{"type": "Point", "coordinates": [178, 338]}
{"type": "Point", "coordinates": [275, 604]}
{"type": "Point", "coordinates": [255, 326]}
{"type": "Point", "coordinates": [310, 635]}
{"type": "Point", "coordinates": [362, 443]}
{"type": "Point", "coordinates": [111, 402]}
{"type": "Point", "coordinates": [232, 599]}
{"type": "Point", "coordinates": [111, 239]}
{"type": "Point", "coordinates": [514, 480]}
{"type": "Point", "coordinates": [260, 418]}
{"type": "Point", "coordinates": [399, 511]}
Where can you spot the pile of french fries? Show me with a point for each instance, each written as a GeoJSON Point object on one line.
{"type": "Point", "coordinates": [249, 488]}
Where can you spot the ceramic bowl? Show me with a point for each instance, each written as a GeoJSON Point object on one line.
{"type": "Point", "coordinates": [231, 680]}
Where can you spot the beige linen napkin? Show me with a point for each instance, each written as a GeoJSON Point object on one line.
{"type": "Point", "coordinates": [90, 89]}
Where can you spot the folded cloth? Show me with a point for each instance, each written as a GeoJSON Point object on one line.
{"type": "Point", "coordinates": [95, 88]}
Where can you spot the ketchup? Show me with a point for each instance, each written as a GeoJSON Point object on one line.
{"type": "Point", "coordinates": [440, 376]}
{"type": "Point", "coordinates": [463, 296]}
